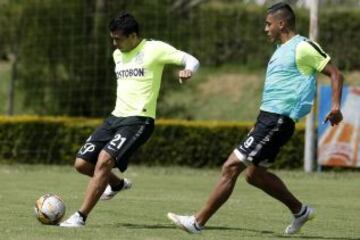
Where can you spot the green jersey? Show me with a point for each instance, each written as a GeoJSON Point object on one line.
{"type": "Point", "coordinates": [138, 74]}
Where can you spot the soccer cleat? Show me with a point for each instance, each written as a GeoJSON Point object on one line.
{"type": "Point", "coordinates": [299, 221]}
{"type": "Point", "coordinates": [109, 193]}
{"type": "Point", "coordinates": [74, 221]}
{"type": "Point", "coordinates": [186, 223]}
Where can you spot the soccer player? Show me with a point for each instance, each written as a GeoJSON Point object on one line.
{"type": "Point", "coordinates": [289, 90]}
{"type": "Point", "coordinates": [139, 64]}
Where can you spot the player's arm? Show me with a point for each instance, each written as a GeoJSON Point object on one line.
{"type": "Point", "coordinates": [170, 55]}
{"type": "Point", "coordinates": [335, 115]}
{"type": "Point", "coordinates": [310, 57]}
{"type": "Point", "coordinates": [191, 66]}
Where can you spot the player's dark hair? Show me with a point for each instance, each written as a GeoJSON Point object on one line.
{"type": "Point", "coordinates": [284, 11]}
{"type": "Point", "coordinates": [124, 22]}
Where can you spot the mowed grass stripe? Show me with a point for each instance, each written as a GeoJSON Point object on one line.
{"type": "Point", "coordinates": [141, 212]}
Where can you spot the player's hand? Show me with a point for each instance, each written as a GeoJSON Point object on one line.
{"type": "Point", "coordinates": [184, 75]}
{"type": "Point", "coordinates": [334, 116]}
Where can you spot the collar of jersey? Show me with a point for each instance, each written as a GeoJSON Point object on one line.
{"type": "Point", "coordinates": [136, 49]}
{"type": "Point", "coordinates": [288, 41]}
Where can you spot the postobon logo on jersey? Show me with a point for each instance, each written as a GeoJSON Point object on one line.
{"type": "Point", "coordinates": [88, 147]}
{"type": "Point", "coordinates": [134, 72]}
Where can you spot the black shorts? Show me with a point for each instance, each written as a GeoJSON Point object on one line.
{"type": "Point", "coordinates": [118, 136]}
{"type": "Point", "coordinates": [262, 144]}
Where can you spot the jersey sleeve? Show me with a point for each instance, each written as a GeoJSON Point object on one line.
{"type": "Point", "coordinates": [116, 55]}
{"type": "Point", "coordinates": [167, 54]}
{"type": "Point", "coordinates": [310, 57]}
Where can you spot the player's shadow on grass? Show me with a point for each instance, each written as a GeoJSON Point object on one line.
{"type": "Point", "coordinates": [146, 226]}
{"type": "Point", "coordinates": [215, 228]}
{"type": "Point", "coordinates": [172, 226]}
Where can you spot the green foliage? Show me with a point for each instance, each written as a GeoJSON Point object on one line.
{"type": "Point", "coordinates": [65, 60]}
{"type": "Point", "coordinates": [10, 22]}
{"type": "Point", "coordinates": [339, 36]}
{"type": "Point", "coordinates": [174, 142]}
{"type": "Point", "coordinates": [65, 55]}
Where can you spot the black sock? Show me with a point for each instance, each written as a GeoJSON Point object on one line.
{"type": "Point", "coordinates": [119, 186]}
{"type": "Point", "coordinates": [302, 211]}
{"type": "Point", "coordinates": [82, 215]}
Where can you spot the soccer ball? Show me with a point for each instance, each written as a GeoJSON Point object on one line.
{"type": "Point", "coordinates": [49, 209]}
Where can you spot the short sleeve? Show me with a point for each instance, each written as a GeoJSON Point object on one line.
{"type": "Point", "coordinates": [167, 54]}
{"type": "Point", "coordinates": [310, 57]}
{"type": "Point", "coordinates": [116, 55]}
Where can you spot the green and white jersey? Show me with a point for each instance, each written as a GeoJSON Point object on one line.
{"type": "Point", "coordinates": [138, 74]}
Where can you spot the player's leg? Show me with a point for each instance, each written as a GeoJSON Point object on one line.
{"type": "Point", "coordinates": [84, 167]}
{"type": "Point", "coordinates": [103, 162]}
{"type": "Point", "coordinates": [126, 141]}
{"type": "Point", "coordinates": [88, 154]}
{"type": "Point", "coordinates": [231, 169]}
{"type": "Point", "coordinates": [95, 188]}
{"type": "Point", "coordinates": [98, 182]}
{"type": "Point", "coordinates": [223, 189]}
{"type": "Point", "coordinates": [271, 132]}
{"type": "Point", "coordinates": [115, 183]}
{"type": "Point", "coordinates": [260, 148]}
{"type": "Point", "coordinates": [261, 178]}
{"type": "Point", "coordinates": [115, 186]}
{"type": "Point", "coordinates": [220, 194]}
{"type": "Point", "coordinates": [275, 187]}
{"type": "Point", "coordinates": [233, 166]}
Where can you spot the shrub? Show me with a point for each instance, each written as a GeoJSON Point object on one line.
{"type": "Point", "coordinates": [174, 142]}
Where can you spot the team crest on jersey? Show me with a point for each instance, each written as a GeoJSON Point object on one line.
{"type": "Point", "coordinates": [139, 58]}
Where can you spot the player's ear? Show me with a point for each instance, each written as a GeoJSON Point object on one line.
{"type": "Point", "coordinates": [133, 35]}
{"type": "Point", "coordinates": [281, 24]}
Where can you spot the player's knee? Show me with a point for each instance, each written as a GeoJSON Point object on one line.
{"type": "Point", "coordinates": [104, 164]}
{"type": "Point", "coordinates": [80, 166]}
{"type": "Point", "coordinates": [231, 168]}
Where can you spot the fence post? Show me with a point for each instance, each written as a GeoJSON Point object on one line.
{"type": "Point", "coordinates": [309, 150]}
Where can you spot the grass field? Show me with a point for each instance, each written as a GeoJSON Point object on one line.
{"type": "Point", "coordinates": [141, 212]}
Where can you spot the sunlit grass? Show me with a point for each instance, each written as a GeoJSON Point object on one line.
{"type": "Point", "coordinates": [140, 213]}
